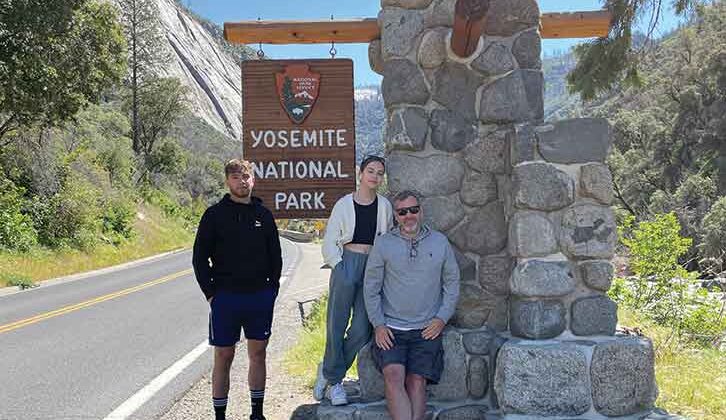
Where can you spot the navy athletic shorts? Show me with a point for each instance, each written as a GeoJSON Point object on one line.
{"type": "Point", "coordinates": [231, 312]}
{"type": "Point", "coordinates": [418, 355]}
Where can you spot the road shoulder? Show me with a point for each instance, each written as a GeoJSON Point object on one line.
{"type": "Point", "coordinates": [10, 290]}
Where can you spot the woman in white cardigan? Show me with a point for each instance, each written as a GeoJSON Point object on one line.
{"type": "Point", "coordinates": [356, 220]}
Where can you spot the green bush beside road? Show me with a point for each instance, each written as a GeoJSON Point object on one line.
{"type": "Point", "coordinates": [154, 233]}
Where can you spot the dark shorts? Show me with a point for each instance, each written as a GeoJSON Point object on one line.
{"type": "Point", "coordinates": [418, 355]}
{"type": "Point", "coordinates": [231, 312]}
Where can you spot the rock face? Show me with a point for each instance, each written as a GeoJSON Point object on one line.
{"type": "Point", "coordinates": [211, 74]}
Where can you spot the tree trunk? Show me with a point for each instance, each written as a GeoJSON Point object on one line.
{"type": "Point", "coordinates": [6, 127]}
{"type": "Point", "coordinates": [134, 82]}
{"type": "Point", "coordinates": [721, 168]}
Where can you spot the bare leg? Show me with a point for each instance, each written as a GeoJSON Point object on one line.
{"type": "Point", "coordinates": [399, 405]}
{"type": "Point", "coordinates": [223, 357]}
{"type": "Point", "coordinates": [257, 373]}
{"type": "Point", "coordinates": [416, 390]}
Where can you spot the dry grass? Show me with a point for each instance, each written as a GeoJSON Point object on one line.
{"type": "Point", "coordinates": [691, 381]}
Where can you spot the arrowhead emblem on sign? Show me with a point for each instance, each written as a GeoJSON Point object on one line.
{"type": "Point", "coordinates": [297, 88]}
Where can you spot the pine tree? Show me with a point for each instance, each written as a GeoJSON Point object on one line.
{"type": "Point", "coordinates": [608, 61]}
{"type": "Point", "coordinates": [146, 50]}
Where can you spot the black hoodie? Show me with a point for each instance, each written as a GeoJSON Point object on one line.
{"type": "Point", "coordinates": [242, 244]}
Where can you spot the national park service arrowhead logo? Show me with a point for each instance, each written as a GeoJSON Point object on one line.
{"type": "Point", "coordinates": [297, 88]}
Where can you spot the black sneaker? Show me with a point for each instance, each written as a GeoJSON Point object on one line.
{"type": "Point", "coordinates": [257, 418]}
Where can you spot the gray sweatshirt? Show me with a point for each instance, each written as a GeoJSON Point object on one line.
{"type": "Point", "coordinates": [409, 282]}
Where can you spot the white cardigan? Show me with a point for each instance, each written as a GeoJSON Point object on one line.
{"type": "Point", "coordinates": [341, 226]}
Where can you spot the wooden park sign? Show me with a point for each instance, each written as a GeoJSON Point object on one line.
{"type": "Point", "coordinates": [298, 131]}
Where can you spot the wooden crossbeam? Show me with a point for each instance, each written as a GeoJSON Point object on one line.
{"type": "Point", "coordinates": [553, 25]}
{"type": "Point", "coordinates": [576, 24]}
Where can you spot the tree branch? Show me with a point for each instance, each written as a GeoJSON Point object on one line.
{"type": "Point", "coordinates": [619, 195]}
{"type": "Point", "coordinates": [8, 125]}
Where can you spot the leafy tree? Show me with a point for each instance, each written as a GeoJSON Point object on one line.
{"type": "Point", "coordinates": [55, 56]}
{"type": "Point", "coordinates": [606, 61]}
{"type": "Point", "coordinates": [146, 50]}
{"type": "Point", "coordinates": [202, 179]}
{"type": "Point", "coordinates": [160, 104]}
{"type": "Point", "coordinates": [713, 245]}
{"type": "Point", "coordinates": [670, 134]}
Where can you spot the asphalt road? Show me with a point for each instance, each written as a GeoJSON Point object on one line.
{"type": "Point", "coordinates": [79, 349]}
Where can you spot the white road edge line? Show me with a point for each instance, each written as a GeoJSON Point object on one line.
{"type": "Point", "coordinates": [130, 406]}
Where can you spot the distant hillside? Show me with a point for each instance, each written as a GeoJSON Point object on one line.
{"type": "Point", "coordinates": [559, 103]}
{"type": "Point", "coordinates": [370, 118]}
{"type": "Point", "coordinates": [205, 64]}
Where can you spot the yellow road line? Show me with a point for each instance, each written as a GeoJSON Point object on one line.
{"type": "Point", "coordinates": [70, 308]}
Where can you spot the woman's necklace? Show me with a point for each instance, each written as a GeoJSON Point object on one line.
{"type": "Point", "coordinates": [358, 200]}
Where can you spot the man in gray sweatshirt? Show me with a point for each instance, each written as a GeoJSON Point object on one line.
{"type": "Point", "coordinates": [411, 287]}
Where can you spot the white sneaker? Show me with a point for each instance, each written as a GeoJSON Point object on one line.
{"type": "Point", "coordinates": [320, 384]}
{"type": "Point", "coordinates": [336, 395]}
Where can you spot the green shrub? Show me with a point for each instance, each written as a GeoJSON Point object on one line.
{"type": "Point", "coordinates": [16, 228]}
{"type": "Point", "coordinates": [663, 290]}
{"type": "Point", "coordinates": [189, 215]}
{"type": "Point", "coordinates": [655, 247]}
{"type": "Point", "coordinates": [704, 322]}
{"type": "Point", "coordinates": [117, 219]}
{"type": "Point", "coordinates": [72, 217]}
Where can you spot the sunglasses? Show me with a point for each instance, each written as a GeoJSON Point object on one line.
{"type": "Point", "coordinates": [405, 210]}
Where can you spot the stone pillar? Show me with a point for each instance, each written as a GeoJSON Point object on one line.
{"type": "Point", "coordinates": [565, 359]}
{"type": "Point", "coordinates": [448, 133]}
{"type": "Point", "coordinates": [526, 206]}
{"type": "Point", "coordinates": [449, 124]}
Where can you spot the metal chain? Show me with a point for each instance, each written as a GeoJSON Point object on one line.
{"type": "Point", "coordinates": [332, 51]}
{"type": "Point", "coordinates": [260, 53]}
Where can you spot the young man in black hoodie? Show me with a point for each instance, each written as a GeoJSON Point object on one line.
{"type": "Point", "coordinates": [237, 261]}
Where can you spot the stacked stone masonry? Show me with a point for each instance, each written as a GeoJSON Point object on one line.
{"type": "Point", "coordinates": [525, 205]}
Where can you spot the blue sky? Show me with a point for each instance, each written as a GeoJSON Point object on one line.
{"type": "Point", "coordinates": [221, 11]}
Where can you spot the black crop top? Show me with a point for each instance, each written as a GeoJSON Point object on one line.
{"type": "Point", "coordinates": [366, 218]}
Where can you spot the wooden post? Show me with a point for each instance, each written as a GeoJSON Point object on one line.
{"type": "Point", "coordinates": [469, 21]}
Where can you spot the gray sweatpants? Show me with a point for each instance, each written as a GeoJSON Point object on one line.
{"type": "Point", "coordinates": [345, 297]}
